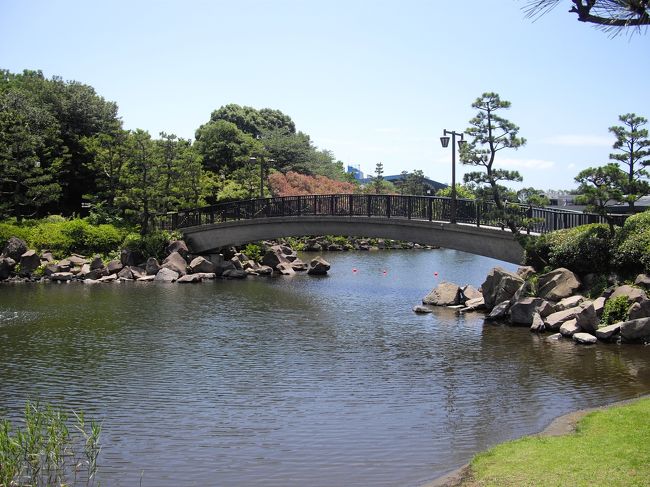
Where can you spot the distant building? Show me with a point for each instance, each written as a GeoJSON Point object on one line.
{"type": "Point", "coordinates": [431, 185]}
{"type": "Point", "coordinates": [356, 172]}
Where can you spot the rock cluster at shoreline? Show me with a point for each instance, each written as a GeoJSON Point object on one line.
{"type": "Point", "coordinates": [549, 302]}
{"type": "Point", "coordinates": [18, 263]}
{"type": "Point", "coordinates": [341, 244]}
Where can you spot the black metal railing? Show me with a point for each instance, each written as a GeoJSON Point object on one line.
{"type": "Point", "coordinates": [427, 208]}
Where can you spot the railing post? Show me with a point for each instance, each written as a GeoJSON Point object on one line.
{"type": "Point", "coordinates": [387, 206]}
{"type": "Point", "coordinates": [369, 204]}
{"type": "Point", "coordinates": [299, 205]}
{"type": "Point", "coordinates": [409, 207]}
{"type": "Point", "coordinates": [430, 209]}
{"type": "Point", "coordinates": [350, 204]}
{"type": "Point", "coordinates": [478, 213]}
{"type": "Point", "coordinates": [332, 205]}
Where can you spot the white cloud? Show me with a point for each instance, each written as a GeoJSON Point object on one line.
{"type": "Point", "coordinates": [525, 163]}
{"type": "Point", "coordinates": [571, 166]}
{"type": "Point", "coordinates": [576, 140]}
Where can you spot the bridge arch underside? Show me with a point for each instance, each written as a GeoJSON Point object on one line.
{"type": "Point", "coordinates": [489, 242]}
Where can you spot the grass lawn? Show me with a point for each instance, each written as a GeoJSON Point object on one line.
{"type": "Point", "coordinates": [609, 448]}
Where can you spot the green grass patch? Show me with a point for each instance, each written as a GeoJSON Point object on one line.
{"type": "Point", "coordinates": [609, 448]}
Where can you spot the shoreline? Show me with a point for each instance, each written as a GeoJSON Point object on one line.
{"type": "Point", "coordinates": [560, 426]}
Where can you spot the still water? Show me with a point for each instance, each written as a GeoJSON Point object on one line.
{"type": "Point", "coordinates": [296, 381]}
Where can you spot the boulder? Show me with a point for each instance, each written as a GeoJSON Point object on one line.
{"type": "Point", "coordinates": [555, 320]}
{"type": "Point", "coordinates": [178, 246]}
{"type": "Point", "coordinates": [642, 280]}
{"type": "Point", "coordinates": [473, 305]}
{"type": "Point", "coordinates": [77, 260]}
{"type": "Point", "coordinates": [152, 266]}
{"type": "Point", "coordinates": [65, 265]}
{"type": "Point", "coordinates": [7, 265]}
{"type": "Point", "coordinates": [108, 278]}
{"type": "Point", "coordinates": [47, 257]}
{"type": "Point", "coordinates": [636, 330]}
{"type": "Point", "coordinates": [500, 311]}
{"type": "Point", "coordinates": [29, 262]}
{"type": "Point", "coordinates": [201, 264]}
{"type": "Point", "coordinates": [96, 263]}
{"type": "Point", "coordinates": [570, 328]}
{"type": "Point", "coordinates": [137, 271]}
{"type": "Point", "coordinates": [237, 263]}
{"type": "Point", "coordinates": [62, 276]}
{"type": "Point", "coordinates": [469, 292]}
{"type": "Point", "coordinates": [500, 285]}
{"type": "Point", "coordinates": [274, 256]}
{"type": "Point", "coordinates": [537, 325]}
{"type": "Point", "coordinates": [285, 269]}
{"type": "Point", "coordinates": [175, 262]}
{"type": "Point", "coordinates": [147, 278]}
{"type": "Point", "coordinates": [264, 270]}
{"type": "Point", "coordinates": [639, 310]}
{"type": "Point", "coordinates": [570, 302]}
{"type": "Point", "coordinates": [166, 274]}
{"type": "Point", "coordinates": [523, 311]}
{"type": "Point", "coordinates": [634, 294]}
{"type": "Point", "coordinates": [206, 275]}
{"type": "Point", "coordinates": [422, 309]}
{"type": "Point", "coordinates": [557, 284]}
{"type": "Point", "coordinates": [554, 336]}
{"type": "Point", "coordinates": [188, 278]}
{"type": "Point", "coordinates": [586, 317]}
{"type": "Point", "coordinates": [524, 291]}
{"type": "Point", "coordinates": [599, 306]}
{"type": "Point", "coordinates": [525, 271]}
{"type": "Point", "coordinates": [113, 267]}
{"type": "Point", "coordinates": [444, 294]}
{"type": "Point", "coordinates": [91, 274]}
{"type": "Point", "coordinates": [234, 274]}
{"type": "Point", "coordinates": [299, 266]}
{"type": "Point", "coordinates": [608, 332]}
{"type": "Point", "coordinates": [584, 338]}
{"type": "Point", "coordinates": [125, 274]}
{"type": "Point", "coordinates": [318, 266]}
{"type": "Point", "coordinates": [130, 257]}
{"type": "Point", "coordinates": [52, 269]}
{"type": "Point", "coordinates": [14, 248]}
{"type": "Point", "coordinates": [225, 265]}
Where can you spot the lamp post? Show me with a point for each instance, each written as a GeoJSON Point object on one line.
{"type": "Point", "coordinates": [444, 140]}
{"type": "Point", "coordinates": [253, 160]}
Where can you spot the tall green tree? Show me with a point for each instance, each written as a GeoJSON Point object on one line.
{"type": "Point", "coordinates": [252, 121]}
{"type": "Point", "coordinates": [377, 181]}
{"type": "Point", "coordinates": [223, 146]}
{"type": "Point", "coordinates": [599, 187]}
{"type": "Point", "coordinates": [611, 15]}
{"type": "Point", "coordinates": [25, 185]}
{"type": "Point", "coordinates": [633, 145]}
{"type": "Point", "coordinates": [490, 133]}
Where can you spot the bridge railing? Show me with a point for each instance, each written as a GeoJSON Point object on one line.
{"type": "Point", "coordinates": [428, 208]}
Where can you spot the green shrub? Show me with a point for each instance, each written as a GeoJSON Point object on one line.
{"type": "Point", "coordinates": [8, 230]}
{"type": "Point", "coordinates": [632, 254]}
{"type": "Point", "coordinates": [151, 245]}
{"type": "Point", "coordinates": [253, 251]}
{"type": "Point", "coordinates": [582, 249]}
{"type": "Point", "coordinates": [615, 310]}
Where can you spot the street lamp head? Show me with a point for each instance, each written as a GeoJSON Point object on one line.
{"type": "Point", "coordinates": [462, 143]}
{"type": "Point", "coordinates": [444, 141]}
{"type": "Point", "coordinates": [252, 159]}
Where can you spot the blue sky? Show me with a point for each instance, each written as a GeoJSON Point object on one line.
{"type": "Point", "coordinates": [369, 80]}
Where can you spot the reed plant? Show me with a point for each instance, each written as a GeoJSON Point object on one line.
{"type": "Point", "coordinates": [49, 449]}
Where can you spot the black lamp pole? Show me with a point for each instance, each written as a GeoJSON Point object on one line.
{"type": "Point", "coordinates": [444, 140]}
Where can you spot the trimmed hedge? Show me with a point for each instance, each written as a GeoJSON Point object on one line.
{"type": "Point", "coordinates": [632, 254]}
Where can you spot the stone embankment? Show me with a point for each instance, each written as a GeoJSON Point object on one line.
{"type": "Point", "coordinates": [18, 263]}
{"type": "Point", "coordinates": [554, 302]}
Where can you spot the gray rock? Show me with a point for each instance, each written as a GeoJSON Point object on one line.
{"type": "Point", "coordinates": [108, 278]}
{"type": "Point", "coordinates": [126, 274]}
{"type": "Point", "coordinates": [29, 262]}
{"type": "Point", "coordinates": [469, 292]}
{"type": "Point", "coordinates": [7, 265]}
{"type": "Point", "coordinates": [137, 271]}
{"type": "Point", "coordinates": [299, 266]}
{"type": "Point", "coordinates": [636, 330]}
{"type": "Point", "coordinates": [178, 246]}
{"type": "Point", "coordinates": [555, 320]}
{"type": "Point", "coordinates": [524, 291]}
{"type": "Point", "coordinates": [499, 312]}
{"type": "Point", "coordinates": [586, 318]}
{"type": "Point", "coordinates": [537, 325]}
{"type": "Point", "coordinates": [525, 271]}
{"type": "Point", "coordinates": [234, 274]}
{"type": "Point", "coordinates": [523, 311]}
{"type": "Point", "coordinates": [500, 285]}
{"type": "Point", "coordinates": [599, 306]}
{"type": "Point", "coordinates": [237, 263]}
{"type": "Point", "coordinates": [65, 265]}
{"type": "Point", "coordinates": [570, 328]}
{"type": "Point", "coordinates": [52, 269]}
{"type": "Point", "coordinates": [77, 260]}
{"type": "Point", "coordinates": [47, 257]}
{"type": "Point", "coordinates": [634, 294]}
{"type": "Point", "coordinates": [147, 278]}
{"type": "Point", "coordinates": [608, 332]}
{"type": "Point", "coordinates": [206, 275]}
{"type": "Point", "coordinates": [188, 278]}
{"type": "Point", "coordinates": [318, 266]}
{"type": "Point", "coordinates": [557, 284]}
{"type": "Point", "coordinates": [130, 257]}
{"type": "Point", "coordinates": [96, 263]}
{"type": "Point", "coordinates": [473, 305]}
{"type": "Point", "coordinates": [62, 276]}
{"type": "Point", "coordinates": [201, 264]}
{"type": "Point", "coordinates": [639, 310]}
{"type": "Point", "coordinates": [175, 262]}
{"type": "Point", "coordinates": [264, 270]}
{"type": "Point", "coordinates": [642, 280]}
{"type": "Point", "coordinates": [113, 267]}
{"type": "Point", "coordinates": [285, 269]}
{"type": "Point", "coordinates": [14, 248]}
{"type": "Point", "coordinates": [444, 294]}
{"type": "Point", "coordinates": [422, 309]}
{"type": "Point", "coordinates": [584, 338]}
{"type": "Point", "coordinates": [570, 302]}
{"type": "Point", "coordinates": [152, 266]}
{"type": "Point", "coordinates": [554, 336]}
{"type": "Point", "coordinates": [274, 256]}
{"type": "Point", "coordinates": [166, 274]}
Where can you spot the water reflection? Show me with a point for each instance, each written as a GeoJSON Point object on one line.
{"type": "Point", "coordinates": [296, 381]}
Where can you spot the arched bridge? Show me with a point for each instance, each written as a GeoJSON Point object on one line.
{"type": "Point", "coordinates": [424, 219]}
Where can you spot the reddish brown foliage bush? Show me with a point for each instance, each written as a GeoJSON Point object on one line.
{"type": "Point", "coordinates": [296, 184]}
